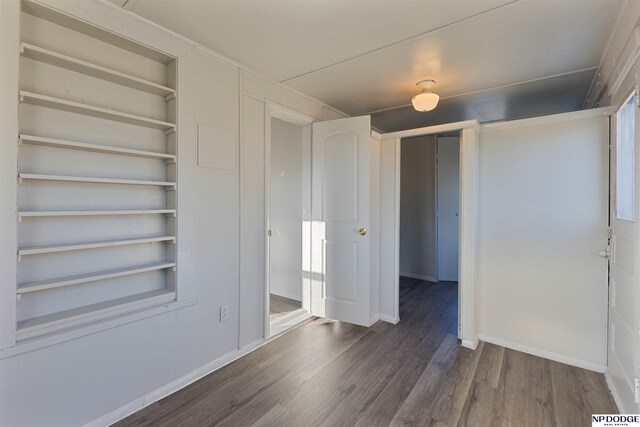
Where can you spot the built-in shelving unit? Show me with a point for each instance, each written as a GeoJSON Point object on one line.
{"type": "Point", "coordinates": [90, 313]}
{"type": "Point", "coordinates": [86, 278]}
{"type": "Point", "coordinates": [90, 110]}
{"type": "Point", "coordinates": [117, 235]}
{"type": "Point", "coordinates": [95, 148]}
{"type": "Point", "coordinates": [38, 250]}
{"type": "Point", "coordinates": [33, 214]}
{"type": "Point", "coordinates": [73, 64]}
{"type": "Point", "coordinates": [95, 180]}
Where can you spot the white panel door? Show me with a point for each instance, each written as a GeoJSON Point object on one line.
{"type": "Point", "coordinates": [340, 218]}
{"type": "Point", "coordinates": [448, 197]}
{"type": "Point", "coordinates": [623, 349]}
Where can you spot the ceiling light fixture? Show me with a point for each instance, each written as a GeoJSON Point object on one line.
{"type": "Point", "coordinates": [426, 100]}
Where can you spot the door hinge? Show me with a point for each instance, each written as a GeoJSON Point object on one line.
{"type": "Point", "coordinates": [637, 390]}
{"type": "Point", "coordinates": [269, 233]}
{"type": "Point", "coordinates": [609, 233]}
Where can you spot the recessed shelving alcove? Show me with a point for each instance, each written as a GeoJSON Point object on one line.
{"type": "Point", "coordinates": [97, 175]}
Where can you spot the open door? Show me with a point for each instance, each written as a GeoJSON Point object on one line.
{"type": "Point", "coordinates": [340, 207]}
{"type": "Point", "coordinates": [624, 257]}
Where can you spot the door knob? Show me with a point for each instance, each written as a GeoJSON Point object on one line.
{"type": "Point", "coordinates": [606, 253]}
{"type": "Point", "coordinates": [362, 231]}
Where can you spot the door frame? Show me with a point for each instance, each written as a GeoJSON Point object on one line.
{"type": "Point", "coordinates": [278, 111]}
{"type": "Point", "coordinates": [468, 221]}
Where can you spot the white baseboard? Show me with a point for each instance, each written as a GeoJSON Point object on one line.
{"type": "Point", "coordinates": [286, 295]}
{"type": "Point", "coordinates": [544, 354]}
{"type": "Point", "coordinates": [472, 344]}
{"type": "Point", "coordinates": [615, 395]}
{"type": "Point", "coordinates": [172, 387]}
{"type": "Point", "coordinates": [374, 319]}
{"type": "Point", "coordinates": [419, 277]}
{"type": "Point", "coordinates": [389, 319]}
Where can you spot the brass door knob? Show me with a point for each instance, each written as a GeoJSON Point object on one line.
{"type": "Point", "coordinates": [362, 231]}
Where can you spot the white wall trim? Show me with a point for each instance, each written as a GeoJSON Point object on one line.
{"type": "Point", "coordinates": [430, 130]}
{"type": "Point", "coordinates": [374, 319]}
{"type": "Point", "coordinates": [544, 354]}
{"type": "Point", "coordinates": [597, 74]}
{"type": "Point", "coordinates": [470, 343]}
{"type": "Point", "coordinates": [543, 120]}
{"type": "Point", "coordinates": [419, 277]}
{"type": "Point", "coordinates": [628, 65]}
{"type": "Point", "coordinates": [389, 319]}
{"type": "Point", "coordinates": [614, 392]}
{"type": "Point", "coordinates": [9, 46]}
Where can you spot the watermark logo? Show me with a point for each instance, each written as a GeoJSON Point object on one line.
{"type": "Point", "coordinates": [615, 420]}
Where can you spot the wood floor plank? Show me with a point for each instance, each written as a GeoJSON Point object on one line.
{"type": "Point", "coordinates": [528, 392]}
{"type": "Point", "coordinates": [334, 374]}
{"type": "Point", "coordinates": [577, 394]}
{"type": "Point", "coordinates": [415, 410]}
{"type": "Point", "coordinates": [490, 365]}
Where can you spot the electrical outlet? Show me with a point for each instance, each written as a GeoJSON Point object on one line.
{"type": "Point", "coordinates": [224, 313]}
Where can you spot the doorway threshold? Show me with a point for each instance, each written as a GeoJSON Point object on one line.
{"type": "Point", "coordinates": [288, 321]}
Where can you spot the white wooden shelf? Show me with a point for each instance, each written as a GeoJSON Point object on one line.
{"type": "Point", "coordinates": [38, 214]}
{"type": "Point", "coordinates": [55, 322]}
{"type": "Point", "coordinates": [93, 277]}
{"type": "Point", "coordinates": [91, 245]}
{"type": "Point", "coordinates": [40, 177]}
{"type": "Point", "coordinates": [73, 145]}
{"type": "Point", "coordinates": [90, 110]}
{"type": "Point", "coordinates": [54, 58]}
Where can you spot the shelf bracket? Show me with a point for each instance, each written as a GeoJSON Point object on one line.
{"type": "Point", "coordinates": [19, 257]}
{"type": "Point", "coordinates": [21, 49]}
{"type": "Point", "coordinates": [174, 269]}
{"type": "Point", "coordinates": [19, 142]}
{"type": "Point", "coordinates": [19, 218]}
{"type": "Point", "coordinates": [170, 131]}
{"type": "Point", "coordinates": [170, 97]}
{"type": "Point", "coordinates": [19, 180]}
{"type": "Point", "coordinates": [21, 97]}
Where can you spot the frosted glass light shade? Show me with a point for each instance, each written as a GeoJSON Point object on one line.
{"type": "Point", "coordinates": [425, 101]}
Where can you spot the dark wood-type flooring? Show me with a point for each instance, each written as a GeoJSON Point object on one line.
{"type": "Point", "coordinates": [279, 306]}
{"type": "Point", "coordinates": [327, 373]}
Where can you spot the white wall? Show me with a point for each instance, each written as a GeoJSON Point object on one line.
{"type": "Point", "coordinates": [418, 208]}
{"type": "Point", "coordinates": [285, 210]}
{"type": "Point", "coordinates": [106, 371]}
{"type": "Point", "coordinates": [543, 197]}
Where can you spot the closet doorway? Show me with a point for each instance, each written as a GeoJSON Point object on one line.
{"type": "Point", "coordinates": [288, 195]}
{"type": "Point", "coordinates": [429, 218]}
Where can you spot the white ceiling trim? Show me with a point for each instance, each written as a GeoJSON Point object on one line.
{"type": "Point", "coordinates": [604, 55]}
